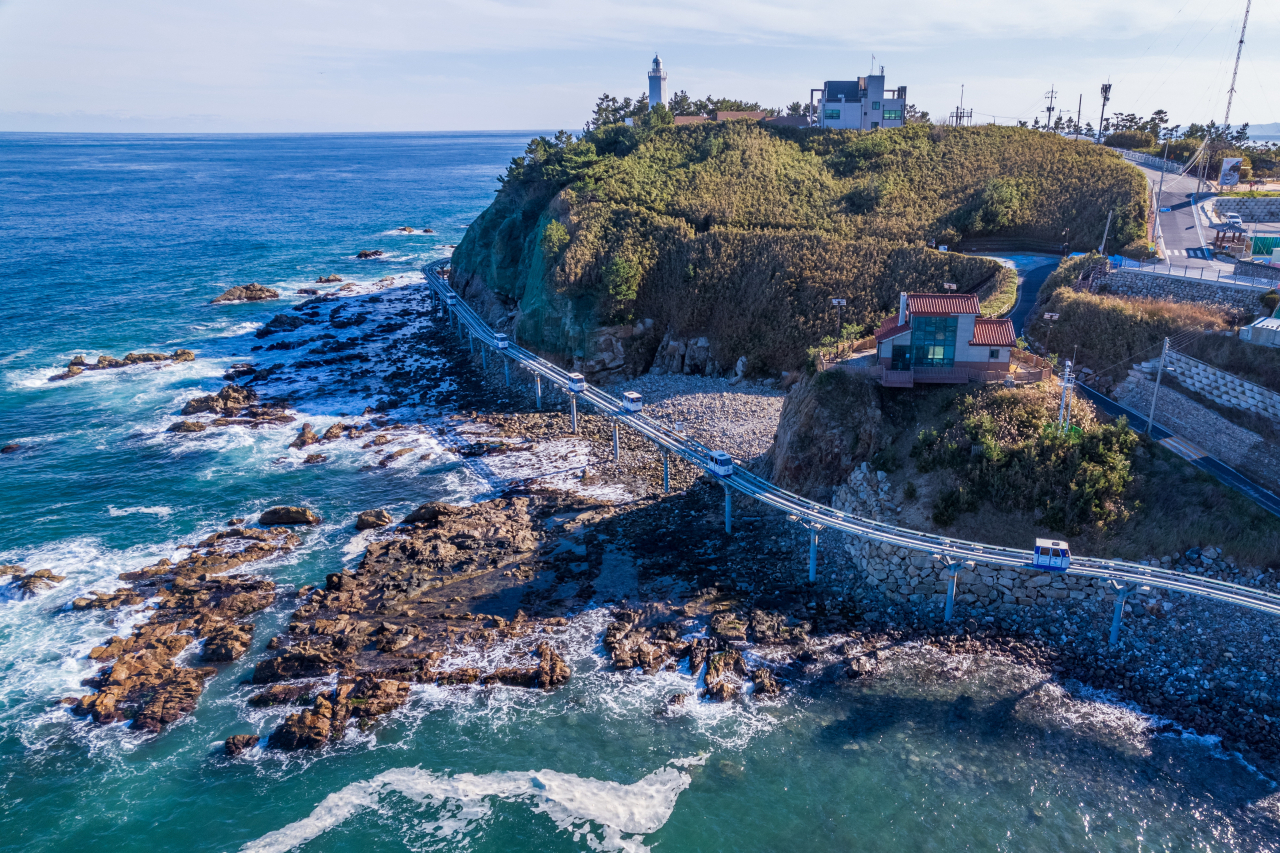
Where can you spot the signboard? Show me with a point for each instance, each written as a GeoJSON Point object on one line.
{"type": "Point", "coordinates": [1051, 316]}
{"type": "Point", "coordinates": [942, 248]}
{"type": "Point", "coordinates": [837, 302]}
{"type": "Point", "coordinates": [948, 286]}
{"type": "Point", "coordinates": [1230, 171]}
{"type": "Point", "coordinates": [1165, 209]}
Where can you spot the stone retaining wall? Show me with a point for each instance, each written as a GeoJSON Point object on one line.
{"type": "Point", "coordinates": [1219, 386]}
{"type": "Point", "coordinates": [880, 575]}
{"type": "Point", "coordinates": [1249, 209]}
{"type": "Point", "coordinates": [1252, 270]}
{"type": "Point", "coordinates": [1175, 288]}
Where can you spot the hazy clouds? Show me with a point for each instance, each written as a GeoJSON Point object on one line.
{"type": "Point", "coordinates": [325, 65]}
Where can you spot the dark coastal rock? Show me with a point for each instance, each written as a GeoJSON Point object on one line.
{"type": "Point", "coordinates": [764, 682]}
{"type": "Point", "coordinates": [10, 448]}
{"type": "Point", "coordinates": [246, 293]}
{"type": "Point", "coordinates": [282, 323]}
{"type": "Point", "coordinates": [283, 694]}
{"type": "Point", "coordinates": [6, 571]}
{"type": "Point", "coordinates": [428, 513]}
{"type": "Point", "coordinates": [301, 661]}
{"type": "Point", "coordinates": [308, 730]}
{"type": "Point", "coordinates": [186, 426]}
{"type": "Point", "coordinates": [78, 364]}
{"type": "Point", "coordinates": [372, 519]}
{"type": "Point", "coordinates": [288, 515]}
{"type": "Point", "coordinates": [228, 642]}
{"type": "Point", "coordinates": [238, 371]}
{"type": "Point", "coordinates": [314, 459]}
{"type": "Point", "coordinates": [366, 254]}
{"type": "Point", "coordinates": [237, 744]}
{"type": "Point", "coordinates": [328, 279]}
{"type": "Point", "coordinates": [231, 400]}
{"type": "Point", "coordinates": [307, 291]}
{"type": "Point", "coordinates": [393, 456]}
{"type": "Point", "coordinates": [139, 680]}
{"type": "Point", "coordinates": [306, 438]}
{"type": "Point", "coordinates": [406, 229]}
{"type": "Point", "coordinates": [36, 582]}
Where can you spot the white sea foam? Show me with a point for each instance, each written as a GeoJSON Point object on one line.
{"type": "Point", "coordinates": [162, 511]}
{"type": "Point", "coordinates": [623, 813]}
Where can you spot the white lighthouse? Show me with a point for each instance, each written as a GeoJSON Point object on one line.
{"type": "Point", "coordinates": [657, 83]}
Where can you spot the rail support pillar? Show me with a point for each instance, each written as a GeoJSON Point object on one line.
{"type": "Point", "coordinates": [1123, 591]}
{"type": "Point", "coordinates": [537, 390]}
{"type": "Point", "coordinates": [471, 342]}
{"type": "Point", "coordinates": [813, 554]}
{"type": "Point", "coordinates": [952, 570]}
{"type": "Point", "coordinates": [615, 441]}
{"type": "Point", "coordinates": [484, 362]}
{"type": "Point", "coordinates": [728, 510]}
{"type": "Point", "coordinates": [666, 471]}
{"type": "Point", "coordinates": [506, 372]}
{"type": "Point", "coordinates": [573, 412]}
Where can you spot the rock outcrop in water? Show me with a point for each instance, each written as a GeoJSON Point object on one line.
{"type": "Point", "coordinates": [27, 585]}
{"type": "Point", "coordinates": [235, 404]}
{"type": "Point", "coordinates": [288, 515]}
{"type": "Point", "coordinates": [79, 365]}
{"type": "Point", "coordinates": [246, 293]}
{"type": "Point", "coordinates": [139, 681]}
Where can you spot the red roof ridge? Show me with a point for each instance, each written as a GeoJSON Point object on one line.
{"type": "Point", "coordinates": [993, 332]}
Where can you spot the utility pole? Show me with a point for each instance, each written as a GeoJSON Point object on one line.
{"type": "Point", "coordinates": [1102, 249]}
{"type": "Point", "coordinates": [1062, 407]}
{"type": "Point", "coordinates": [1106, 96]}
{"type": "Point", "coordinates": [1051, 94]}
{"type": "Point", "coordinates": [1079, 112]}
{"type": "Point", "coordinates": [1239, 49]}
{"type": "Point", "coordinates": [1159, 372]}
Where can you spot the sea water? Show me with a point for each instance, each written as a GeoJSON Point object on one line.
{"type": "Point", "coordinates": [113, 244]}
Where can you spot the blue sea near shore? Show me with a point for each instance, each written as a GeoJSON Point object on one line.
{"type": "Point", "coordinates": [114, 244]}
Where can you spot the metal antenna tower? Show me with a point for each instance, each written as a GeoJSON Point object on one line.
{"type": "Point", "coordinates": [1226, 121]}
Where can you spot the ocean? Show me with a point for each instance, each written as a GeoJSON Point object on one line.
{"type": "Point", "coordinates": [114, 244]}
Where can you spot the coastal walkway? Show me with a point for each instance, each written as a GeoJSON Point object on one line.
{"type": "Point", "coordinates": [1127, 577]}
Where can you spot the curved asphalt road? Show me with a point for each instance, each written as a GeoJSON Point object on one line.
{"type": "Point", "coordinates": [1028, 289]}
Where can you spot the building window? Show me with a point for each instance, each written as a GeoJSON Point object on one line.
{"type": "Point", "coordinates": [875, 105]}
{"type": "Point", "coordinates": [874, 125]}
{"type": "Point", "coordinates": [893, 115]}
{"type": "Point", "coordinates": [831, 115]}
{"type": "Point", "coordinates": [994, 355]}
{"type": "Point", "coordinates": [933, 341]}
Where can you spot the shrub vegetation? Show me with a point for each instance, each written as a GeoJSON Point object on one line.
{"type": "Point", "coordinates": [745, 232]}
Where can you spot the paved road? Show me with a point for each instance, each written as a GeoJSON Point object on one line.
{"type": "Point", "coordinates": [1184, 243]}
{"type": "Point", "coordinates": [1223, 472]}
{"type": "Point", "coordinates": [1028, 289]}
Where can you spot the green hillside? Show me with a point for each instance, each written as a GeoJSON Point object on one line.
{"type": "Point", "coordinates": [743, 233]}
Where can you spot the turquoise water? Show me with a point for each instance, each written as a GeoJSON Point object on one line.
{"type": "Point", "coordinates": [115, 244]}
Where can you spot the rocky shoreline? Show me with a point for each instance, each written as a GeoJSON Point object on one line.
{"type": "Point", "coordinates": [485, 595]}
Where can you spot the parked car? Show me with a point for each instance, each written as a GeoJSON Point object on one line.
{"type": "Point", "coordinates": [1234, 220]}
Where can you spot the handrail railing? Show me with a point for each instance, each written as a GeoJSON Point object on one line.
{"type": "Point", "coordinates": [814, 513]}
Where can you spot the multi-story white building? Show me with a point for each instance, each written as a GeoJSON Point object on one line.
{"type": "Point", "coordinates": [657, 83]}
{"type": "Point", "coordinates": [862, 104]}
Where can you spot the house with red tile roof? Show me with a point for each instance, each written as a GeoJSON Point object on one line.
{"type": "Point", "coordinates": [940, 337]}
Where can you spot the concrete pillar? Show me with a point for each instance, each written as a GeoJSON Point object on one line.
{"type": "Point", "coordinates": [728, 510]}
{"type": "Point", "coordinates": [615, 441]}
{"type": "Point", "coordinates": [573, 412]}
{"type": "Point", "coordinates": [666, 471]}
{"type": "Point", "coordinates": [537, 389]}
{"type": "Point", "coordinates": [813, 554]}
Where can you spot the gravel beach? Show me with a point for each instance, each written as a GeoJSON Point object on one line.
{"type": "Point", "coordinates": [740, 419]}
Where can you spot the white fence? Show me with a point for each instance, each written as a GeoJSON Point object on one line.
{"type": "Point", "coordinates": [1149, 161]}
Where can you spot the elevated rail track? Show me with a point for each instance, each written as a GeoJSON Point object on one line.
{"type": "Point", "coordinates": [1127, 577]}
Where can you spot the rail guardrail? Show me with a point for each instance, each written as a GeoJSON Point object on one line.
{"type": "Point", "coordinates": [1126, 575]}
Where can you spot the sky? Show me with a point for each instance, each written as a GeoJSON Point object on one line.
{"type": "Point", "coordinates": [249, 66]}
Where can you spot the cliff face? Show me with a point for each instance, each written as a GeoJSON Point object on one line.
{"type": "Point", "coordinates": [608, 249]}
{"type": "Point", "coordinates": [829, 423]}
